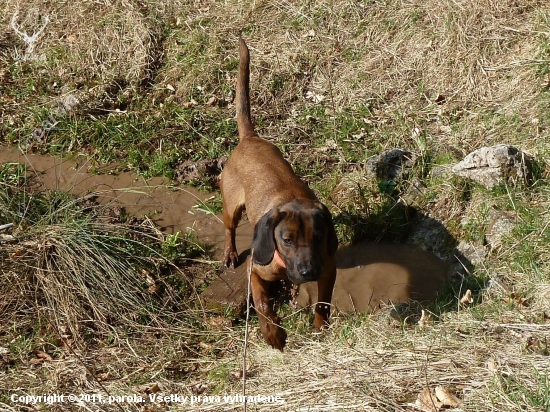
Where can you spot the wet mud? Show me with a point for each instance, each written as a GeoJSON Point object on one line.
{"type": "Point", "coordinates": [369, 274]}
{"type": "Point", "coordinates": [168, 206]}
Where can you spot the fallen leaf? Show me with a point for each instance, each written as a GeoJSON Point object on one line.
{"type": "Point", "coordinates": [64, 341]}
{"type": "Point", "coordinates": [43, 355]}
{"type": "Point", "coordinates": [6, 238]}
{"type": "Point", "coordinates": [153, 287]}
{"type": "Point", "coordinates": [205, 345]}
{"type": "Point", "coordinates": [492, 366]}
{"type": "Point", "coordinates": [316, 98]}
{"type": "Point", "coordinates": [220, 322]}
{"type": "Point", "coordinates": [153, 389]}
{"type": "Point", "coordinates": [36, 361]}
{"type": "Point", "coordinates": [519, 300]}
{"type": "Point", "coordinates": [237, 374]}
{"type": "Point", "coordinates": [416, 132]}
{"type": "Point", "coordinates": [446, 397]}
{"type": "Point", "coordinates": [198, 388]}
{"type": "Point", "coordinates": [212, 101]}
{"type": "Point", "coordinates": [467, 298]}
{"type": "Point", "coordinates": [101, 377]}
{"type": "Point", "coordinates": [534, 345]}
{"type": "Point", "coordinates": [191, 103]}
{"type": "Point", "coordinates": [426, 319]}
{"type": "Point", "coordinates": [427, 401]}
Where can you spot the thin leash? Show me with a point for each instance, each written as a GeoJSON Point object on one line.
{"type": "Point", "coordinates": [249, 273]}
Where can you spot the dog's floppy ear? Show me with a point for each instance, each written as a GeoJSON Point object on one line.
{"type": "Point", "coordinates": [332, 239]}
{"type": "Point", "coordinates": [263, 241]}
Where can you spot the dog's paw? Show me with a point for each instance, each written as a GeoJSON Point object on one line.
{"type": "Point", "coordinates": [230, 258]}
{"type": "Point", "coordinates": [274, 335]}
{"type": "Point", "coordinates": [320, 321]}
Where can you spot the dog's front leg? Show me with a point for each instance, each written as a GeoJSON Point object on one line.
{"type": "Point", "coordinates": [272, 332]}
{"type": "Point", "coordinates": [325, 285]}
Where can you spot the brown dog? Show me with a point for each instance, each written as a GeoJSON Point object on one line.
{"type": "Point", "coordinates": [294, 235]}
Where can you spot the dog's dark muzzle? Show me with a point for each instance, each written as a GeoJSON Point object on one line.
{"type": "Point", "coordinates": [304, 273]}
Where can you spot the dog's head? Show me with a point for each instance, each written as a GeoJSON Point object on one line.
{"type": "Point", "coordinates": [302, 233]}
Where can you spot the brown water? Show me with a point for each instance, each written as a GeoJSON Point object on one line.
{"type": "Point", "coordinates": [168, 206]}
{"type": "Point", "coordinates": [368, 274]}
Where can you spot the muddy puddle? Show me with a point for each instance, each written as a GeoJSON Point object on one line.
{"type": "Point", "coordinates": [372, 274]}
{"type": "Point", "coordinates": [168, 206]}
{"type": "Point", "coordinates": [368, 274]}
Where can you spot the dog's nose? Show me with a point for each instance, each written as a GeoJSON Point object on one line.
{"type": "Point", "coordinates": [307, 273]}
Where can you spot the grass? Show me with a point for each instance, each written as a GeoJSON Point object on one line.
{"type": "Point", "coordinates": [333, 84]}
{"type": "Point", "coordinates": [86, 267]}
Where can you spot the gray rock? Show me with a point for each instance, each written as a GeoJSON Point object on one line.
{"type": "Point", "coordinates": [351, 188]}
{"type": "Point", "coordinates": [501, 224]}
{"type": "Point", "coordinates": [490, 166]}
{"type": "Point", "coordinates": [473, 253]}
{"type": "Point", "coordinates": [201, 170]}
{"type": "Point", "coordinates": [441, 172]}
{"type": "Point", "coordinates": [415, 194]}
{"type": "Point", "coordinates": [431, 236]}
{"type": "Point", "coordinates": [391, 165]}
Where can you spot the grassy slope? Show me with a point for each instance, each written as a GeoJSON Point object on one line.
{"type": "Point", "coordinates": [333, 83]}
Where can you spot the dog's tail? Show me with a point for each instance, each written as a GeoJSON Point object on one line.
{"type": "Point", "coordinates": [242, 99]}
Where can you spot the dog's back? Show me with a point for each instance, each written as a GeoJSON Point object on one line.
{"type": "Point", "coordinates": [257, 169]}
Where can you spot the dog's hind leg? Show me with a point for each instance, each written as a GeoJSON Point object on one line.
{"type": "Point", "coordinates": [232, 213]}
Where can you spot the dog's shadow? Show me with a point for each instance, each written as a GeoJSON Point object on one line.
{"type": "Point", "coordinates": [243, 256]}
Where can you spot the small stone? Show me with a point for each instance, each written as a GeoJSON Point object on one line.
{"type": "Point", "coordinates": [502, 224]}
{"type": "Point", "coordinates": [415, 194]}
{"type": "Point", "coordinates": [391, 165]}
{"type": "Point", "coordinates": [191, 171]}
{"type": "Point", "coordinates": [440, 172]}
{"type": "Point", "coordinates": [473, 253]}
{"type": "Point", "coordinates": [431, 236]}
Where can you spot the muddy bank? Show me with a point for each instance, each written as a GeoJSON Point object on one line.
{"type": "Point", "coordinates": [369, 274]}
{"type": "Point", "coordinates": [168, 206]}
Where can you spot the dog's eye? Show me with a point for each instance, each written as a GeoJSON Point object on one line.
{"type": "Point", "coordinates": [287, 241]}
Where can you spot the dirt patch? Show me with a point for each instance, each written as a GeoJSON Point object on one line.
{"type": "Point", "coordinates": [199, 171]}
{"type": "Point", "coordinates": [168, 206]}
